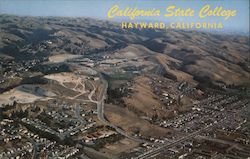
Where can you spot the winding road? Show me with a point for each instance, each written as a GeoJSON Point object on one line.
{"type": "Point", "coordinates": [100, 106]}
{"type": "Point", "coordinates": [100, 111]}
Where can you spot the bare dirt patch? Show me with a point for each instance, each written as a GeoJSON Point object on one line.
{"type": "Point", "coordinates": [116, 148]}
{"type": "Point", "coordinates": [25, 94]}
{"type": "Point", "coordinates": [62, 57]}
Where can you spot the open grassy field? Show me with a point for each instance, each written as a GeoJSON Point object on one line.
{"type": "Point", "coordinates": [121, 146]}
{"type": "Point", "coordinates": [132, 123]}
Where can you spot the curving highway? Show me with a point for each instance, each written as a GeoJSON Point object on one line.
{"type": "Point", "coordinates": [100, 111]}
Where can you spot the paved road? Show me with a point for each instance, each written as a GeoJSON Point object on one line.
{"type": "Point", "coordinates": [154, 152]}
{"type": "Point", "coordinates": [100, 108]}
{"type": "Point", "coordinates": [100, 111]}
{"type": "Point", "coordinates": [35, 148]}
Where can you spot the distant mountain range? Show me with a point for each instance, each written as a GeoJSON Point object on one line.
{"type": "Point", "coordinates": [183, 55]}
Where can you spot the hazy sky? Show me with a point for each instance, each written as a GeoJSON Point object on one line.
{"type": "Point", "coordinates": [99, 8]}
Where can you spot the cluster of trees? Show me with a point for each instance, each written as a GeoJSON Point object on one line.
{"type": "Point", "coordinates": [100, 143]}
{"type": "Point", "coordinates": [50, 69]}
